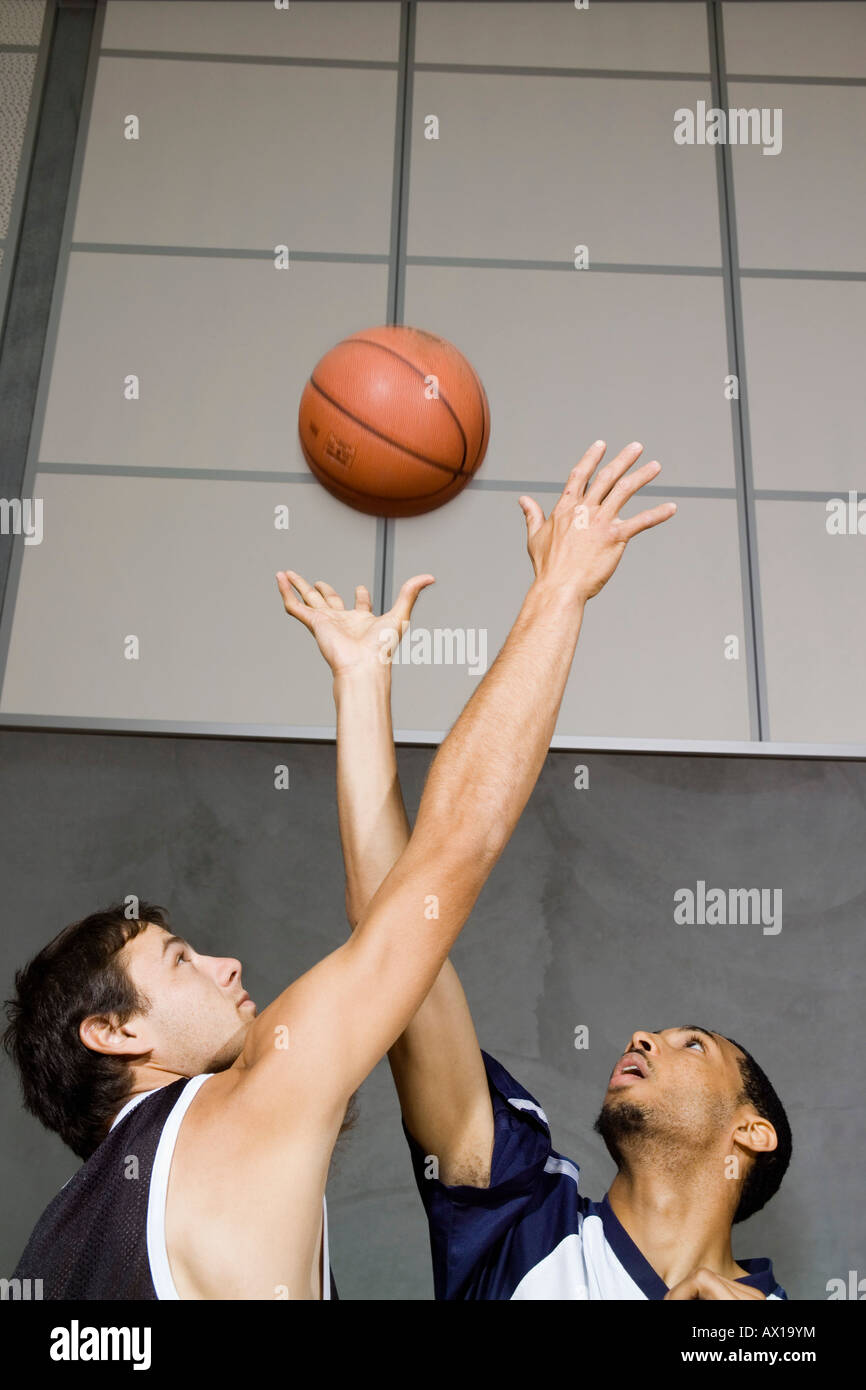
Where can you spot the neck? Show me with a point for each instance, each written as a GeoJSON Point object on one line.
{"type": "Point", "coordinates": [678, 1214]}
{"type": "Point", "coordinates": [148, 1077]}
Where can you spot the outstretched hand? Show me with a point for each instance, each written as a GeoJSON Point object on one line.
{"type": "Point", "coordinates": [580, 544]}
{"type": "Point", "coordinates": [350, 638]}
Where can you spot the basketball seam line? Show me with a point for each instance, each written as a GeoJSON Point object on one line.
{"type": "Point", "coordinates": [327, 478]}
{"type": "Point", "coordinates": [485, 409]}
{"type": "Point", "coordinates": [400, 358]}
{"type": "Point", "coordinates": [443, 468]}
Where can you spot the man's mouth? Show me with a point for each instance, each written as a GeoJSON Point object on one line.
{"type": "Point", "coordinates": [633, 1066]}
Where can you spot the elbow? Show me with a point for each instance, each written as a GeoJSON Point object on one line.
{"type": "Point", "coordinates": [465, 848]}
{"type": "Point", "coordinates": [483, 832]}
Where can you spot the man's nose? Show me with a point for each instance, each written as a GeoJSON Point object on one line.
{"type": "Point", "coordinates": [228, 970]}
{"type": "Point", "coordinates": [642, 1040]}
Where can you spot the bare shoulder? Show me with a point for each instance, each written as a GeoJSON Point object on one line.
{"type": "Point", "coordinates": [243, 1216]}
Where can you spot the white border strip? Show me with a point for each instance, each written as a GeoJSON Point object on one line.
{"type": "Point", "coordinates": [157, 1254]}
{"type": "Point", "coordinates": [130, 1105]}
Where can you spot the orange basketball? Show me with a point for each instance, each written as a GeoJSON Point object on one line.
{"type": "Point", "coordinates": [394, 421]}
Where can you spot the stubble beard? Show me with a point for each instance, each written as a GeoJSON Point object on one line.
{"type": "Point", "coordinates": [620, 1125]}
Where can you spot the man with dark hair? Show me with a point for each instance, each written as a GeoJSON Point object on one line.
{"type": "Point", "coordinates": [699, 1137]}
{"type": "Point", "coordinates": [752, 1089]}
{"type": "Point", "coordinates": [766, 1173]}
{"type": "Point", "coordinates": [72, 1088]}
{"type": "Point", "coordinates": [210, 1181]}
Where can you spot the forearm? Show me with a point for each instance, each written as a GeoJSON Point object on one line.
{"type": "Point", "coordinates": [374, 828]}
{"type": "Point", "coordinates": [436, 1062]}
{"type": "Point", "coordinates": [486, 768]}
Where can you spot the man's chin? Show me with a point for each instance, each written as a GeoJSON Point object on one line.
{"type": "Point", "coordinates": [619, 1120]}
{"type": "Point", "coordinates": [230, 1051]}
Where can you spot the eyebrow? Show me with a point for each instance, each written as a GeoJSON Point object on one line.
{"type": "Point", "coordinates": [172, 941]}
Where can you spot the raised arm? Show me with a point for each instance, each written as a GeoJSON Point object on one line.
{"type": "Point", "coordinates": [343, 1015]}
{"type": "Point", "coordinates": [436, 1062]}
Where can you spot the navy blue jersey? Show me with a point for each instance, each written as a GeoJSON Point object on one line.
{"type": "Point", "coordinates": [531, 1234]}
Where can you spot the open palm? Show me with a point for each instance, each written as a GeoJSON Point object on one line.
{"type": "Point", "coordinates": [349, 637]}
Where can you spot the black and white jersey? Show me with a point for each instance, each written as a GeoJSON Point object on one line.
{"type": "Point", "coordinates": [531, 1234]}
{"type": "Point", "coordinates": [103, 1236]}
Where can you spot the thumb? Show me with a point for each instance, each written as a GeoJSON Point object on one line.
{"type": "Point", "coordinates": [533, 514]}
{"type": "Point", "coordinates": [405, 601]}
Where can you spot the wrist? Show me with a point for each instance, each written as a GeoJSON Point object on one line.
{"type": "Point", "coordinates": [558, 597]}
{"type": "Point", "coordinates": [372, 677]}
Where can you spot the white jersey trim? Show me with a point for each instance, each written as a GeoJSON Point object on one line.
{"type": "Point", "coordinates": [564, 1167]}
{"type": "Point", "coordinates": [130, 1105]}
{"type": "Point", "coordinates": [559, 1275]}
{"type": "Point", "coordinates": [520, 1104]}
{"type": "Point", "coordinates": [157, 1253]}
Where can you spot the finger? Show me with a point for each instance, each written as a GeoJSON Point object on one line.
{"type": "Point", "coordinates": [579, 476]}
{"type": "Point", "coordinates": [687, 1288]}
{"type": "Point", "coordinates": [331, 597]}
{"type": "Point", "coordinates": [684, 1290]}
{"type": "Point", "coordinates": [533, 516]}
{"type": "Point", "coordinates": [719, 1287]}
{"type": "Point", "coordinates": [706, 1285]}
{"type": "Point", "coordinates": [291, 603]}
{"type": "Point", "coordinates": [408, 594]}
{"type": "Point", "coordinates": [644, 520]}
{"type": "Point", "coordinates": [612, 472]}
{"type": "Point", "coordinates": [696, 1285]}
{"type": "Point", "coordinates": [363, 602]}
{"type": "Point", "coordinates": [308, 593]}
{"type": "Point", "coordinates": [627, 485]}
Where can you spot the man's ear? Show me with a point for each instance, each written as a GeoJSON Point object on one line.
{"type": "Point", "coordinates": [755, 1134]}
{"type": "Point", "coordinates": [104, 1033]}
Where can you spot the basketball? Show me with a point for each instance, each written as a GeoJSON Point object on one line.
{"type": "Point", "coordinates": [394, 421]}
